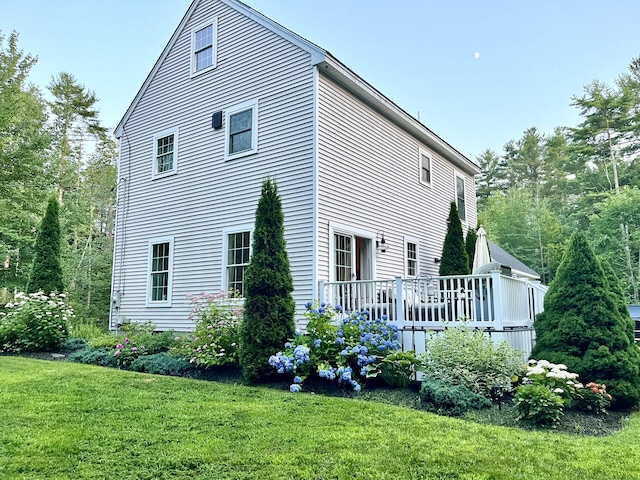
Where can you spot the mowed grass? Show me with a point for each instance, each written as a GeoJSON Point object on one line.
{"type": "Point", "coordinates": [65, 421]}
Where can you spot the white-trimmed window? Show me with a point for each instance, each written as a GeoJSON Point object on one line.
{"type": "Point", "coordinates": [160, 272]}
{"type": "Point", "coordinates": [411, 268]}
{"type": "Point", "coordinates": [426, 162]}
{"type": "Point", "coordinates": [165, 153]}
{"type": "Point", "coordinates": [204, 47]}
{"type": "Point", "coordinates": [460, 198]}
{"type": "Point", "coordinates": [241, 130]}
{"type": "Point", "coordinates": [237, 251]}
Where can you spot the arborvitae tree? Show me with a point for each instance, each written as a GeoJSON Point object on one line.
{"type": "Point", "coordinates": [583, 328]}
{"type": "Point", "coordinates": [455, 260]}
{"type": "Point", "coordinates": [269, 307]}
{"type": "Point", "coordinates": [470, 246]}
{"type": "Point", "coordinates": [46, 272]}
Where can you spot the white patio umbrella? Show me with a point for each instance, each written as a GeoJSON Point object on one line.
{"type": "Point", "coordinates": [481, 256]}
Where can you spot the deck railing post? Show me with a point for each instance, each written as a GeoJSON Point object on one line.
{"type": "Point", "coordinates": [497, 299]}
{"type": "Point", "coordinates": [322, 297]}
{"type": "Point", "coordinates": [400, 301]}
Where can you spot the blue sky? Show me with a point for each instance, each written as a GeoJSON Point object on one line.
{"type": "Point", "coordinates": [533, 56]}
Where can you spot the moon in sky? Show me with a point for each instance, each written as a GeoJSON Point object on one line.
{"type": "Point", "coordinates": [476, 55]}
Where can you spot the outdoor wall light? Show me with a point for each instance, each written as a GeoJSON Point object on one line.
{"type": "Point", "coordinates": [436, 260]}
{"type": "Point", "coordinates": [381, 245]}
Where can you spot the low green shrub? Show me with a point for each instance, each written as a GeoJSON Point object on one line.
{"type": "Point", "coordinates": [462, 356]}
{"type": "Point", "coordinates": [73, 345]}
{"type": "Point", "coordinates": [443, 398]}
{"type": "Point", "coordinates": [106, 340]}
{"type": "Point", "coordinates": [537, 405]}
{"type": "Point", "coordinates": [216, 338]}
{"type": "Point", "coordinates": [85, 330]}
{"type": "Point", "coordinates": [161, 364]}
{"type": "Point", "coordinates": [397, 369]}
{"type": "Point", "coordinates": [94, 356]}
{"type": "Point", "coordinates": [34, 322]}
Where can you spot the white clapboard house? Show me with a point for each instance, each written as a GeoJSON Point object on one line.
{"type": "Point", "coordinates": [365, 187]}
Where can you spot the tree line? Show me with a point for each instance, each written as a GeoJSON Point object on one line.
{"type": "Point", "coordinates": [542, 187]}
{"type": "Point", "coordinates": [55, 148]}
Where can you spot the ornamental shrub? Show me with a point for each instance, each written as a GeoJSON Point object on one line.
{"type": "Point", "coordinates": [46, 271]}
{"type": "Point", "coordinates": [556, 378]}
{"type": "Point", "coordinates": [337, 346]}
{"type": "Point", "coordinates": [161, 364]}
{"type": "Point", "coordinates": [582, 326]}
{"type": "Point", "coordinates": [470, 246]}
{"type": "Point", "coordinates": [216, 338]}
{"type": "Point", "coordinates": [269, 307]}
{"type": "Point", "coordinates": [444, 398]}
{"type": "Point", "coordinates": [454, 260]}
{"type": "Point", "coordinates": [538, 405]}
{"type": "Point", "coordinates": [397, 369]}
{"type": "Point", "coordinates": [462, 356]}
{"type": "Point", "coordinates": [102, 357]}
{"type": "Point", "coordinates": [35, 322]}
{"type": "Point", "coordinates": [593, 399]}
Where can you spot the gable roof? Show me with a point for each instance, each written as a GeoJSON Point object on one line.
{"type": "Point", "coordinates": [330, 66]}
{"type": "Point", "coordinates": [503, 257]}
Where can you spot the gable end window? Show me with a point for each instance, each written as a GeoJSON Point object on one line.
{"type": "Point", "coordinates": [425, 167]}
{"type": "Point", "coordinates": [160, 272]}
{"type": "Point", "coordinates": [241, 130]}
{"type": "Point", "coordinates": [204, 47]}
{"type": "Point", "coordinates": [165, 153]}
{"type": "Point", "coordinates": [460, 199]}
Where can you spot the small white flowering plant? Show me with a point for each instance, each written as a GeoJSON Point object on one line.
{"type": "Point", "coordinates": [35, 322]}
{"type": "Point", "coordinates": [216, 338]}
{"type": "Point", "coordinates": [555, 377]}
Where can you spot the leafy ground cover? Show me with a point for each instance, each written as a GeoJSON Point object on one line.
{"type": "Point", "coordinates": [65, 420]}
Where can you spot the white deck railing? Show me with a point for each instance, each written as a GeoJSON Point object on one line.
{"type": "Point", "coordinates": [490, 300]}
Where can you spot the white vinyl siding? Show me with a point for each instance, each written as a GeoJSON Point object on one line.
{"type": "Point", "coordinates": [210, 194]}
{"type": "Point", "coordinates": [160, 272]}
{"type": "Point", "coordinates": [204, 47]}
{"type": "Point", "coordinates": [241, 130]}
{"type": "Point", "coordinates": [165, 153]}
{"type": "Point", "coordinates": [388, 198]}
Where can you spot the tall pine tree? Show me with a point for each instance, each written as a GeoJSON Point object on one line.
{"type": "Point", "coordinates": [46, 272]}
{"type": "Point", "coordinates": [269, 307]}
{"type": "Point", "coordinates": [582, 326]}
{"type": "Point", "coordinates": [455, 260]}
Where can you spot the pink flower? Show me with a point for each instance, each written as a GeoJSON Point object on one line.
{"type": "Point", "coordinates": [119, 346]}
{"type": "Point", "coordinates": [117, 352]}
{"type": "Point", "coordinates": [126, 341]}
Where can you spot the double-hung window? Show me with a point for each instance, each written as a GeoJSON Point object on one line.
{"type": "Point", "coordinates": [460, 198]}
{"type": "Point", "coordinates": [241, 131]}
{"type": "Point", "coordinates": [160, 272]}
{"type": "Point", "coordinates": [238, 253]}
{"type": "Point", "coordinates": [165, 153]}
{"type": "Point", "coordinates": [411, 258]}
{"type": "Point", "coordinates": [425, 167]}
{"type": "Point", "coordinates": [204, 47]}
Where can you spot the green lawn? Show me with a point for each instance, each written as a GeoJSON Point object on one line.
{"type": "Point", "coordinates": [64, 420]}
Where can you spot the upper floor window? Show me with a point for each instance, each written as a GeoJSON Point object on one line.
{"type": "Point", "coordinates": [241, 130]}
{"type": "Point", "coordinates": [425, 167]}
{"type": "Point", "coordinates": [203, 47]}
{"type": "Point", "coordinates": [460, 198]}
{"type": "Point", "coordinates": [160, 272]}
{"type": "Point", "coordinates": [165, 153]}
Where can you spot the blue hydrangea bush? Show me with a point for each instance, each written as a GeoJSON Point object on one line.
{"type": "Point", "coordinates": [337, 346]}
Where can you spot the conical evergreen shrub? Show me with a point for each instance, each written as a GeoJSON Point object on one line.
{"type": "Point", "coordinates": [470, 246]}
{"type": "Point", "coordinates": [454, 260]}
{"type": "Point", "coordinates": [46, 271]}
{"type": "Point", "coordinates": [269, 307]}
{"type": "Point", "coordinates": [582, 326]}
